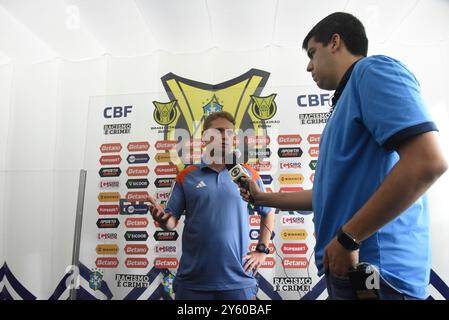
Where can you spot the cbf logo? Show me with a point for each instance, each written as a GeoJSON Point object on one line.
{"type": "Point", "coordinates": [190, 102]}
{"type": "Point", "coordinates": [95, 279]}
{"type": "Point", "coordinates": [212, 106]}
{"type": "Point", "coordinates": [167, 282]}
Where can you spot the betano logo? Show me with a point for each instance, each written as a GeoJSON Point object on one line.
{"type": "Point", "coordinates": [314, 138]}
{"type": "Point", "coordinates": [136, 262]}
{"type": "Point", "coordinates": [268, 263]}
{"type": "Point", "coordinates": [314, 151]}
{"type": "Point", "coordinates": [254, 221]}
{"type": "Point", "coordinates": [294, 234]}
{"type": "Point", "coordinates": [166, 144]}
{"type": "Point", "coordinates": [138, 196]}
{"type": "Point", "coordinates": [258, 140]}
{"type": "Point", "coordinates": [106, 262]}
{"type": "Point", "coordinates": [289, 139]}
{"type": "Point", "coordinates": [166, 263]}
{"type": "Point", "coordinates": [138, 146]}
{"type": "Point", "coordinates": [295, 263]}
{"type": "Point", "coordinates": [136, 249]}
{"type": "Point", "coordinates": [136, 222]}
{"type": "Point", "coordinates": [110, 147]}
{"type": "Point", "coordinates": [137, 171]}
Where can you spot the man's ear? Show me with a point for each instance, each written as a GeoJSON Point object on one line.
{"type": "Point", "coordinates": [335, 42]}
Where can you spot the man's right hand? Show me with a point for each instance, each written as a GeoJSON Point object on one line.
{"type": "Point", "coordinates": [159, 215]}
{"type": "Point", "coordinates": [253, 192]}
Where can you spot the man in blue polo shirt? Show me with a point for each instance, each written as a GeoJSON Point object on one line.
{"type": "Point", "coordinates": [215, 262]}
{"type": "Point", "coordinates": [378, 155]}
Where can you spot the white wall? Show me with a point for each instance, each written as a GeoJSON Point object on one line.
{"type": "Point", "coordinates": [46, 83]}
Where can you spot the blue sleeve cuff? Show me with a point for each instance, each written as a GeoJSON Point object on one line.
{"type": "Point", "coordinates": [401, 136]}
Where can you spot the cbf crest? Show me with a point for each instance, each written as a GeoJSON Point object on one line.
{"type": "Point", "coordinates": [190, 102]}
{"type": "Point", "coordinates": [95, 279]}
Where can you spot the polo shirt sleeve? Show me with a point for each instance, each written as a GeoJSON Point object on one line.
{"type": "Point", "coordinates": [392, 108]}
{"type": "Point", "coordinates": [176, 202]}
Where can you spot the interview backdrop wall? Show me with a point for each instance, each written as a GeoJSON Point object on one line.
{"type": "Point", "coordinates": [52, 124]}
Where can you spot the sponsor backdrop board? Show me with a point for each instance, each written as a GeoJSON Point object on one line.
{"type": "Point", "coordinates": [131, 153]}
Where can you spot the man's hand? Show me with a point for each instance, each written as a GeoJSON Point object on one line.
{"type": "Point", "coordinates": [159, 215]}
{"type": "Point", "coordinates": [251, 194]}
{"type": "Point", "coordinates": [339, 260]}
{"type": "Point", "coordinates": [254, 260]}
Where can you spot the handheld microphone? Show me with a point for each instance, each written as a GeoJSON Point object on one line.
{"type": "Point", "coordinates": [237, 172]}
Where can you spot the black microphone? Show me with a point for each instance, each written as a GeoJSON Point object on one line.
{"type": "Point", "coordinates": [237, 172]}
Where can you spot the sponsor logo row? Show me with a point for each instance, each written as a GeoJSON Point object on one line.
{"type": "Point", "coordinates": [140, 146]}
{"type": "Point", "coordinates": [286, 220]}
{"type": "Point", "coordinates": [138, 171]}
{"type": "Point", "coordinates": [286, 234]}
{"type": "Point", "coordinates": [134, 249]}
{"type": "Point", "coordinates": [138, 235]}
{"type": "Point", "coordinates": [160, 262]}
{"type": "Point", "coordinates": [173, 263]}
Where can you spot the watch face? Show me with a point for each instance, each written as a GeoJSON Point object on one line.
{"type": "Point", "coordinates": [261, 248]}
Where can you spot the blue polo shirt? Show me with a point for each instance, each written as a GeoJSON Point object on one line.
{"type": "Point", "coordinates": [380, 107]}
{"type": "Point", "coordinates": [215, 237]}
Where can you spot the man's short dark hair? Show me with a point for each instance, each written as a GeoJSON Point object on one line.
{"type": "Point", "coordinates": [349, 28]}
{"type": "Point", "coordinates": [216, 115]}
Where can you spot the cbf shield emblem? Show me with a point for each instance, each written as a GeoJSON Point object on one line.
{"type": "Point", "coordinates": [95, 280]}
{"type": "Point", "coordinates": [212, 106]}
{"type": "Point", "coordinates": [194, 101]}
{"type": "Point", "coordinates": [167, 282]}
{"type": "Point", "coordinates": [165, 113]}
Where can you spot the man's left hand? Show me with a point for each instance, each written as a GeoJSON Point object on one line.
{"type": "Point", "coordinates": [254, 260]}
{"type": "Point", "coordinates": [339, 260]}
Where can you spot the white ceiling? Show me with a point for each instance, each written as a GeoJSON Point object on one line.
{"type": "Point", "coordinates": [40, 30]}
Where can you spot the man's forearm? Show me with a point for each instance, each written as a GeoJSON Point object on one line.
{"type": "Point", "coordinates": [266, 228]}
{"type": "Point", "coordinates": [401, 188]}
{"type": "Point", "coordinates": [300, 200]}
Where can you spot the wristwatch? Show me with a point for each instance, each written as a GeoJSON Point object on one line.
{"type": "Point", "coordinates": [347, 241]}
{"type": "Point", "coordinates": [262, 248]}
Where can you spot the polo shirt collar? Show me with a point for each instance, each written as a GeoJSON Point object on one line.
{"type": "Point", "coordinates": [342, 84]}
